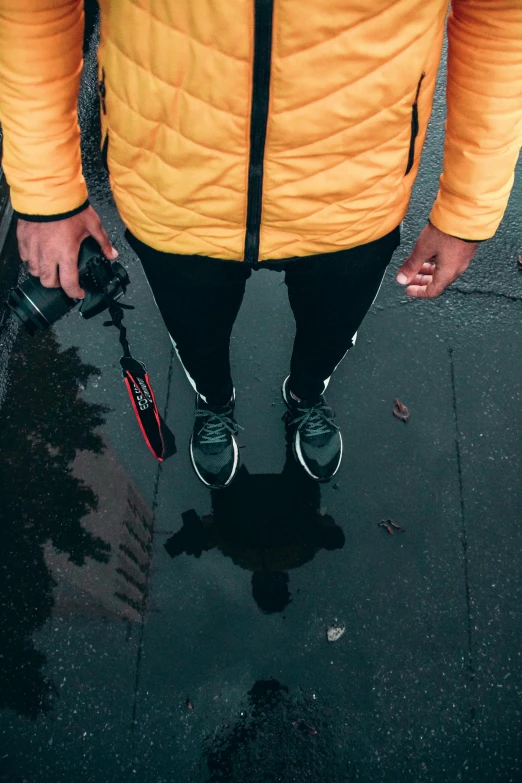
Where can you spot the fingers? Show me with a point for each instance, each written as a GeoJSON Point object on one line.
{"type": "Point", "coordinates": [61, 273]}
{"type": "Point", "coordinates": [434, 284]}
{"type": "Point", "coordinates": [425, 275]}
{"type": "Point", "coordinates": [416, 264]}
{"type": "Point", "coordinates": [419, 292]}
{"type": "Point", "coordinates": [57, 274]}
{"type": "Point", "coordinates": [30, 257]}
{"type": "Point", "coordinates": [24, 248]}
{"type": "Point", "coordinates": [48, 274]}
{"type": "Point", "coordinates": [421, 280]}
{"type": "Point", "coordinates": [51, 249]}
{"type": "Point", "coordinates": [68, 269]}
{"type": "Point", "coordinates": [97, 231]}
{"type": "Point", "coordinates": [33, 267]}
{"type": "Point", "coordinates": [52, 266]}
{"type": "Point", "coordinates": [424, 250]}
{"type": "Point", "coordinates": [436, 262]}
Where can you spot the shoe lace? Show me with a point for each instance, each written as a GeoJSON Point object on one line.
{"type": "Point", "coordinates": [215, 428]}
{"type": "Point", "coordinates": [314, 421]}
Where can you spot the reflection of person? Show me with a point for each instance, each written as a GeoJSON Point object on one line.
{"type": "Point", "coordinates": [267, 524]}
{"type": "Point", "coordinates": [233, 750]}
{"type": "Point", "coordinates": [249, 132]}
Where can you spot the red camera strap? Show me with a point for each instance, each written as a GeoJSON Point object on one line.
{"type": "Point", "coordinates": [158, 436]}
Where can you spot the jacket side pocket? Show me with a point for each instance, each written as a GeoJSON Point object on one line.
{"type": "Point", "coordinates": [105, 150]}
{"type": "Point", "coordinates": [414, 127]}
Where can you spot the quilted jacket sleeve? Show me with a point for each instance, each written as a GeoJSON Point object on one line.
{"type": "Point", "coordinates": [484, 120]}
{"type": "Point", "coordinates": [40, 68]}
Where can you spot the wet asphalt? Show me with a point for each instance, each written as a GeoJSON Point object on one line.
{"type": "Point", "coordinates": [152, 630]}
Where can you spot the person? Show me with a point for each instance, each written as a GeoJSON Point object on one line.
{"type": "Point", "coordinates": [257, 134]}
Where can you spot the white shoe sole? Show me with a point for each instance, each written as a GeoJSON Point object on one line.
{"type": "Point", "coordinates": [235, 467]}
{"type": "Point", "coordinates": [297, 445]}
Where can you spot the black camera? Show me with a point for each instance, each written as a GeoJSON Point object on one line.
{"type": "Point", "coordinates": [103, 282]}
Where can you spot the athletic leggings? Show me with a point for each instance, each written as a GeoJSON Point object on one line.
{"type": "Point", "coordinates": [199, 298]}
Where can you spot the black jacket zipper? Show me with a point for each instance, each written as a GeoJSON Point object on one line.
{"type": "Point", "coordinates": [414, 127]}
{"type": "Point", "coordinates": [259, 116]}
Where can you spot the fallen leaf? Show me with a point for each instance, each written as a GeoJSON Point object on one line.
{"type": "Point", "coordinates": [401, 411]}
{"type": "Point", "coordinates": [520, 263]}
{"type": "Point", "coordinates": [390, 526]}
{"type": "Point", "coordinates": [304, 727]}
{"type": "Point", "coordinates": [190, 704]}
{"type": "Point", "coordinates": [335, 632]}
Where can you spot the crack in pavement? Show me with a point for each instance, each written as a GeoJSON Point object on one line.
{"type": "Point", "coordinates": [463, 534]}
{"type": "Point", "coordinates": [452, 290]}
{"type": "Point", "coordinates": [146, 592]}
{"type": "Point", "coordinates": [479, 292]}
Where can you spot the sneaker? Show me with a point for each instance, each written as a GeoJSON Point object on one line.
{"type": "Point", "coordinates": [213, 448]}
{"type": "Point", "coordinates": [317, 442]}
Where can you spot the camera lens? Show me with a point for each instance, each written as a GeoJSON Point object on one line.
{"type": "Point", "coordinates": [36, 306]}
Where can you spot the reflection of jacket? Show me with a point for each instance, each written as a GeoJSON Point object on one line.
{"type": "Point", "coordinates": [338, 87]}
{"type": "Point", "coordinates": [265, 522]}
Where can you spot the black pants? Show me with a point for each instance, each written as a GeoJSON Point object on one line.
{"type": "Point", "coordinates": [199, 298]}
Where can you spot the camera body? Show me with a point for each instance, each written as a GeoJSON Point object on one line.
{"type": "Point", "coordinates": [103, 282]}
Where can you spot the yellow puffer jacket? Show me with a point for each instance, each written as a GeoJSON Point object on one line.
{"type": "Point", "coordinates": [265, 129]}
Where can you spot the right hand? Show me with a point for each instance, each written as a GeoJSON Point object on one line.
{"type": "Point", "coordinates": [51, 249]}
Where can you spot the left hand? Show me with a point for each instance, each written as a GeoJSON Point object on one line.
{"type": "Point", "coordinates": [437, 260]}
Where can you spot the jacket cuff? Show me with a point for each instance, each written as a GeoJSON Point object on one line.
{"type": "Point", "coordinates": [461, 239]}
{"type": "Point", "coordinates": [51, 218]}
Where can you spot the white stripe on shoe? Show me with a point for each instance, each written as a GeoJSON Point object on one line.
{"type": "Point", "coordinates": [234, 467]}
{"type": "Point", "coordinates": [303, 463]}
{"type": "Point", "coordinates": [298, 452]}
{"type": "Point", "coordinates": [190, 379]}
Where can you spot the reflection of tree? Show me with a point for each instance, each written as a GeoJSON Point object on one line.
{"type": "Point", "coordinates": [44, 423]}
{"type": "Point", "coordinates": [277, 737]}
{"type": "Point", "coordinates": [267, 524]}
{"type": "Point", "coordinates": [232, 745]}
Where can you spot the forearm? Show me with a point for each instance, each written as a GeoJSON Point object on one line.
{"type": "Point", "coordinates": [484, 121]}
{"type": "Point", "coordinates": [40, 71]}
